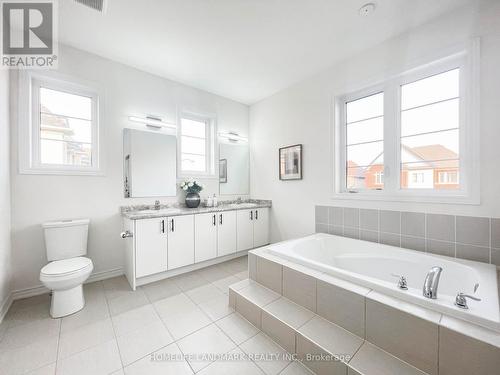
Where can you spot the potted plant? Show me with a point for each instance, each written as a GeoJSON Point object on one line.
{"type": "Point", "coordinates": [192, 189]}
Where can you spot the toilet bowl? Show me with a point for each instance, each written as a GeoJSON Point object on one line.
{"type": "Point", "coordinates": [68, 268]}
{"type": "Point", "coordinates": [65, 279]}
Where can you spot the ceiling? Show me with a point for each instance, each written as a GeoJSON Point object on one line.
{"type": "Point", "coordinates": [244, 50]}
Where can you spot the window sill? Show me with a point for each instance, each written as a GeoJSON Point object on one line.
{"type": "Point", "coordinates": [62, 172]}
{"type": "Point", "coordinates": [411, 198]}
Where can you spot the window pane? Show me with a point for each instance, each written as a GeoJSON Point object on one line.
{"type": "Point", "coordinates": [65, 128]}
{"type": "Point", "coordinates": [436, 146]}
{"type": "Point", "coordinates": [62, 103]}
{"type": "Point", "coordinates": [430, 175]}
{"type": "Point", "coordinates": [365, 154]}
{"type": "Point", "coordinates": [65, 153]}
{"type": "Point", "coordinates": [365, 131]}
{"type": "Point", "coordinates": [439, 116]}
{"type": "Point", "coordinates": [365, 177]}
{"type": "Point", "coordinates": [193, 145]}
{"type": "Point", "coordinates": [193, 128]}
{"type": "Point", "coordinates": [365, 108]}
{"type": "Point", "coordinates": [430, 90]}
{"type": "Point", "coordinates": [195, 163]}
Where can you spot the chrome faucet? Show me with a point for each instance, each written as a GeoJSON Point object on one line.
{"type": "Point", "coordinates": [431, 282]}
{"type": "Point", "coordinates": [157, 205]}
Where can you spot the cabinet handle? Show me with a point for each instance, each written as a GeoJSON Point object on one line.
{"type": "Point", "coordinates": [220, 219]}
{"type": "Point", "coordinates": [256, 215]}
{"type": "Point", "coordinates": [163, 226]}
{"type": "Point", "coordinates": [213, 221]}
{"type": "Point", "coordinates": [251, 215]}
{"type": "Point", "coordinates": [173, 225]}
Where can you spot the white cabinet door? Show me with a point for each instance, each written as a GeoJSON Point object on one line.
{"type": "Point", "coordinates": [180, 241]}
{"type": "Point", "coordinates": [150, 246]}
{"type": "Point", "coordinates": [244, 229]}
{"type": "Point", "coordinates": [205, 236]}
{"type": "Point", "coordinates": [226, 233]}
{"type": "Point", "coordinates": [260, 227]}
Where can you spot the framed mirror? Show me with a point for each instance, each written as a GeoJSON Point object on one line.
{"type": "Point", "coordinates": [234, 169]}
{"type": "Point", "coordinates": [149, 164]}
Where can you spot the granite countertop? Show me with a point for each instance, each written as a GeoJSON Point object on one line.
{"type": "Point", "coordinates": [148, 212]}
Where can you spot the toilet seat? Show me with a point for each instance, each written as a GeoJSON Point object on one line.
{"type": "Point", "coordinates": [66, 267]}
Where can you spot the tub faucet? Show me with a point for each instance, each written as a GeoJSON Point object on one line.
{"type": "Point", "coordinates": [431, 282]}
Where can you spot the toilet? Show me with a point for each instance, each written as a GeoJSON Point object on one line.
{"type": "Point", "coordinates": [68, 268]}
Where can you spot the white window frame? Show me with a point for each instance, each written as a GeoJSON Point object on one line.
{"type": "Point", "coordinates": [29, 123]}
{"type": "Point", "coordinates": [469, 176]}
{"type": "Point", "coordinates": [210, 146]}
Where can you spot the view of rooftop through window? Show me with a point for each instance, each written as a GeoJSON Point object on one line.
{"type": "Point", "coordinates": [65, 128]}
{"type": "Point", "coordinates": [430, 132]}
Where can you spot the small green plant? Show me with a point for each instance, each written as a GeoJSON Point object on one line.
{"type": "Point", "coordinates": [191, 186]}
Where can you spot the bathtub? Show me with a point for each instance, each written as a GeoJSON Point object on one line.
{"type": "Point", "coordinates": [373, 265]}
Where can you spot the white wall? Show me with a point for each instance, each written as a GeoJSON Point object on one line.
{"type": "Point", "coordinates": [303, 114]}
{"type": "Point", "coordinates": [37, 198]}
{"type": "Point", "coordinates": [5, 244]}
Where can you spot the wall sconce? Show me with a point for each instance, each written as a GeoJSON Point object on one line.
{"type": "Point", "coordinates": [153, 122]}
{"type": "Point", "coordinates": [233, 137]}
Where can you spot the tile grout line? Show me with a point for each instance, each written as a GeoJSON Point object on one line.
{"type": "Point", "coordinates": [113, 327]}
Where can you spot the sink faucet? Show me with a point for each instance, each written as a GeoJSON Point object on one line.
{"type": "Point", "coordinates": [157, 205]}
{"type": "Point", "coordinates": [431, 282]}
{"type": "Point", "coordinates": [239, 200]}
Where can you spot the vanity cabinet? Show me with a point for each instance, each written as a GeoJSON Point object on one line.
{"type": "Point", "coordinates": [205, 236]}
{"type": "Point", "coordinates": [161, 247]}
{"type": "Point", "coordinates": [226, 233]}
{"type": "Point", "coordinates": [253, 228]}
{"type": "Point", "coordinates": [150, 246]}
{"type": "Point", "coordinates": [261, 227]}
{"type": "Point", "coordinates": [180, 241]}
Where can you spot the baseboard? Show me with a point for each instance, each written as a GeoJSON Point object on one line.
{"type": "Point", "coordinates": [5, 306]}
{"type": "Point", "coordinates": [40, 289]}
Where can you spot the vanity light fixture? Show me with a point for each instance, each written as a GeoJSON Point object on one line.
{"type": "Point", "coordinates": [153, 122]}
{"type": "Point", "coordinates": [233, 137]}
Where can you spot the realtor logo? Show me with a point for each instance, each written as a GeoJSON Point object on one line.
{"type": "Point", "coordinates": [28, 34]}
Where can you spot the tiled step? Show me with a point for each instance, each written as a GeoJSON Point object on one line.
{"type": "Point", "coordinates": [323, 346]}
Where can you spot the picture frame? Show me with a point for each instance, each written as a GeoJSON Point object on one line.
{"type": "Point", "coordinates": [290, 162]}
{"type": "Point", "coordinates": [223, 171]}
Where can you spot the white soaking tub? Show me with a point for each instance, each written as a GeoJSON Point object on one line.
{"type": "Point", "coordinates": [373, 265]}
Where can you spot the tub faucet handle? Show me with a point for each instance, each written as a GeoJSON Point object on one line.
{"type": "Point", "coordinates": [402, 282]}
{"type": "Point", "coordinates": [461, 300]}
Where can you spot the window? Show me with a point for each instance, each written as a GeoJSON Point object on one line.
{"type": "Point", "coordinates": [196, 145]}
{"type": "Point", "coordinates": [64, 129]}
{"type": "Point", "coordinates": [430, 110]}
{"type": "Point", "coordinates": [410, 137]}
{"type": "Point", "coordinates": [364, 142]}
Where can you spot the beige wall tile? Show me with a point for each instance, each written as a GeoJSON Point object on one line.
{"type": "Point", "coordinates": [270, 274]}
{"type": "Point", "coordinates": [412, 339]}
{"type": "Point", "coordinates": [252, 266]}
{"type": "Point", "coordinates": [249, 311]}
{"type": "Point", "coordinates": [372, 360]}
{"type": "Point", "coordinates": [280, 332]}
{"type": "Point", "coordinates": [342, 307]}
{"type": "Point", "coordinates": [463, 355]}
{"type": "Point", "coordinates": [299, 288]}
{"type": "Point", "coordinates": [316, 359]}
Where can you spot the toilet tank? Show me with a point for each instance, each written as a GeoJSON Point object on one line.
{"type": "Point", "coordinates": [66, 238]}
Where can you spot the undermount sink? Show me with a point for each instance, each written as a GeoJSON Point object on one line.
{"type": "Point", "coordinates": [242, 205]}
{"type": "Point", "coordinates": [163, 211]}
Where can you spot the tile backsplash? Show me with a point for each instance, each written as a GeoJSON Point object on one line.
{"type": "Point", "coordinates": [466, 237]}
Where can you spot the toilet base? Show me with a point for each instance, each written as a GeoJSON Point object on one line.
{"type": "Point", "coordinates": [66, 302]}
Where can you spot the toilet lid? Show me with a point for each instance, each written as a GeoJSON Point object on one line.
{"type": "Point", "coordinates": [65, 266]}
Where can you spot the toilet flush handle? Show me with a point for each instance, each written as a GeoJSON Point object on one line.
{"type": "Point", "coordinates": [126, 234]}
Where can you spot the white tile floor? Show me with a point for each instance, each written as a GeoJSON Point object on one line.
{"type": "Point", "coordinates": [121, 331]}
